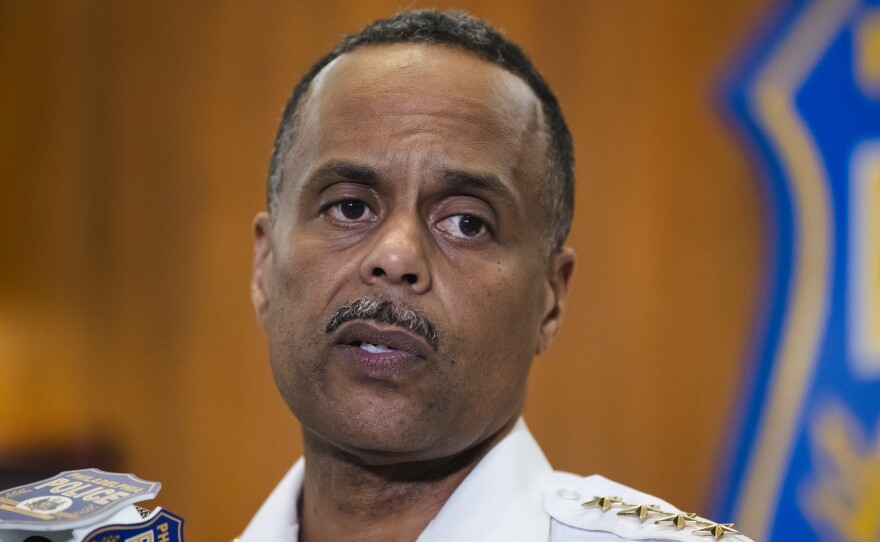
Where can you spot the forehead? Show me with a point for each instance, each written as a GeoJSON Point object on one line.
{"type": "Point", "coordinates": [424, 72]}
{"type": "Point", "coordinates": [412, 104]}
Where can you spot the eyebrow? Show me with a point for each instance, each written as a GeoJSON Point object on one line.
{"type": "Point", "coordinates": [456, 180]}
{"type": "Point", "coordinates": [461, 180]}
{"type": "Point", "coordinates": [358, 173]}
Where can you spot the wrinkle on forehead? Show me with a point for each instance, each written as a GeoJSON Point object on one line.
{"type": "Point", "coordinates": [415, 80]}
{"type": "Point", "coordinates": [423, 96]}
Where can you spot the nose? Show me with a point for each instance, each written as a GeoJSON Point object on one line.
{"type": "Point", "coordinates": [396, 257]}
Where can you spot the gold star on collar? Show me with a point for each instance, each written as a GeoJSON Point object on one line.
{"type": "Point", "coordinates": [605, 503]}
{"type": "Point", "coordinates": [678, 520]}
{"type": "Point", "coordinates": [641, 511]}
{"type": "Point", "coordinates": [717, 530]}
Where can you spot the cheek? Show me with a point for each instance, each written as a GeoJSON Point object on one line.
{"type": "Point", "coordinates": [502, 339]}
{"type": "Point", "coordinates": [308, 276]}
{"type": "Point", "coordinates": [303, 284]}
{"type": "Point", "coordinates": [496, 313]}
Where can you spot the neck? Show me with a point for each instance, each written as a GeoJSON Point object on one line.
{"type": "Point", "coordinates": [391, 503]}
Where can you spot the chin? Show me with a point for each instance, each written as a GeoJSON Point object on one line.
{"type": "Point", "coordinates": [381, 439]}
{"type": "Point", "coordinates": [387, 438]}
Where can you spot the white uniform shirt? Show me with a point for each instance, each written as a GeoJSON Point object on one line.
{"type": "Point", "coordinates": [512, 495]}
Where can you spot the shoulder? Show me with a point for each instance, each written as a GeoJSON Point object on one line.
{"type": "Point", "coordinates": [594, 508]}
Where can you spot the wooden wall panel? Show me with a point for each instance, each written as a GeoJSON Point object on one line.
{"type": "Point", "coordinates": [134, 139]}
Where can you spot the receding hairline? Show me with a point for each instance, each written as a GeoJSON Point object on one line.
{"type": "Point", "coordinates": [458, 31]}
{"type": "Point", "coordinates": [521, 112]}
{"type": "Point", "coordinates": [320, 78]}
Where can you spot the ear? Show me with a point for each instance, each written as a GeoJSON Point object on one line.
{"type": "Point", "coordinates": [560, 268]}
{"type": "Point", "coordinates": [261, 273]}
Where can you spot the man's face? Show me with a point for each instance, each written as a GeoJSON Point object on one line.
{"type": "Point", "coordinates": [416, 178]}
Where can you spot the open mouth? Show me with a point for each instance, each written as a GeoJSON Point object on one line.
{"type": "Point", "coordinates": [382, 352]}
{"type": "Point", "coordinates": [373, 348]}
{"type": "Point", "coordinates": [377, 338]}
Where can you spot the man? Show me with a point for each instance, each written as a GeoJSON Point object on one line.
{"type": "Point", "coordinates": [409, 267]}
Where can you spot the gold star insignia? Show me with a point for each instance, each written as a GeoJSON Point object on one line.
{"type": "Point", "coordinates": [716, 530]}
{"type": "Point", "coordinates": [677, 520]}
{"type": "Point", "coordinates": [605, 503]}
{"type": "Point", "coordinates": [641, 511]}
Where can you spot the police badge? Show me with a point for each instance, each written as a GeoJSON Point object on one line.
{"type": "Point", "coordinates": [806, 465]}
{"type": "Point", "coordinates": [87, 505]}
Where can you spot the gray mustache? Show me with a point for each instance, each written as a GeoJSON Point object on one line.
{"type": "Point", "coordinates": [385, 312]}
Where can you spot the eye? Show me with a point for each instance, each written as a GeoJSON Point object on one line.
{"type": "Point", "coordinates": [463, 226]}
{"type": "Point", "coordinates": [349, 210]}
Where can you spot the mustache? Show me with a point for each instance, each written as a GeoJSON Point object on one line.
{"type": "Point", "coordinates": [386, 312]}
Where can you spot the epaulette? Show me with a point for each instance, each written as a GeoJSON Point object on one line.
{"type": "Point", "coordinates": [596, 504]}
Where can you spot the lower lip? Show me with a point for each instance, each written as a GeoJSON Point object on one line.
{"type": "Point", "coordinates": [380, 365]}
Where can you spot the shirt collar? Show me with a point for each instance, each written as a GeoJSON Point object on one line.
{"type": "Point", "coordinates": [278, 518]}
{"type": "Point", "coordinates": [500, 500]}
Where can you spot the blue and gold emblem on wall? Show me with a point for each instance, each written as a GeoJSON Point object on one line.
{"type": "Point", "coordinates": [805, 465]}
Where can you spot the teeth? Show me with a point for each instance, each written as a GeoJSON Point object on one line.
{"type": "Point", "coordinates": [375, 348]}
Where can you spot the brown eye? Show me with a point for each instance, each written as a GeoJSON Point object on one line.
{"type": "Point", "coordinates": [470, 225]}
{"type": "Point", "coordinates": [352, 209]}
{"type": "Point", "coordinates": [349, 210]}
{"type": "Point", "coordinates": [463, 226]}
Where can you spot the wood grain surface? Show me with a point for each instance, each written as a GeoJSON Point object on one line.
{"type": "Point", "coordinates": [134, 141]}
